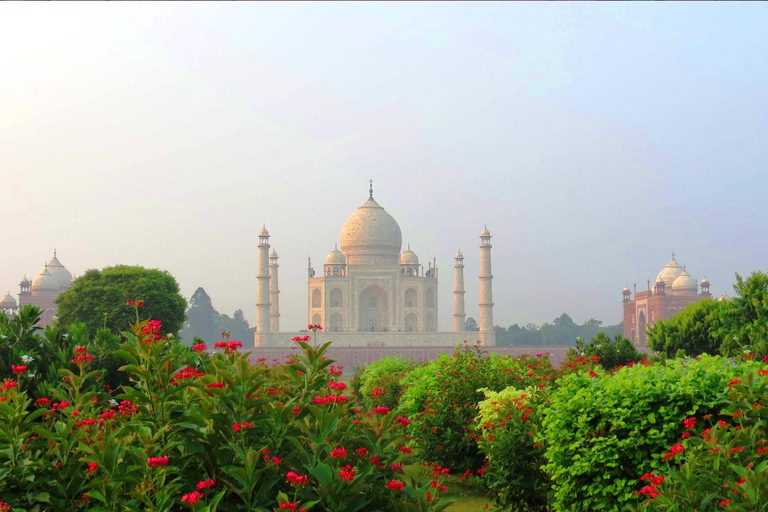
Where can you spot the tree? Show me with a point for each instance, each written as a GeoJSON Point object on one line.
{"type": "Point", "coordinates": [695, 330]}
{"type": "Point", "coordinates": [202, 319]}
{"type": "Point", "coordinates": [98, 299]}
{"type": "Point", "coordinates": [746, 316]}
{"type": "Point", "coordinates": [238, 326]}
{"type": "Point", "coordinates": [470, 325]}
{"type": "Point", "coordinates": [612, 352]}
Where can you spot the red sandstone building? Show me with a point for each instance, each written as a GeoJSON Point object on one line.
{"type": "Point", "coordinates": [673, 290]}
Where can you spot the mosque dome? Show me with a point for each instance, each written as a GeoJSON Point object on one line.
{"type": "Point", "coordinates": [409, 257]}
{"type": "Point", "coordinates": [485, 232]}
{"type": "Point", "coordinates": [626, 289]}
{"type": "Point", "coordinates": [335, 258]}
{"type": "Point", "coordinates": [458, 255]}
{"type": "Point", "coordinates": [704, 282]}
{"type": "Point", "coordinates": [670, 272]}
{"type": "Point", "coordinates": [62, 275]}
{"type": "Point", "coordinates": [7, 302]}
{"type": "Point", "coordinates": [264, 232]}
{"type": "Point", "coordinates": [371, 236]}
{"type": "Point", "coordinates": [273, 254]}
{"type": "Point", "coordinates": [45, 281]}
{"type": "Point", "coordinates": [723, 297]}
{"type": "Point", "coordinates": [685, 284]}
{"type": "Point", "coordinates": [24, 282]}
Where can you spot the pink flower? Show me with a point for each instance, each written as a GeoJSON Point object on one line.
{"type": "Point", "coordinates": [205, 484]}
{"type": "Point", "coordinates": [296, 479]}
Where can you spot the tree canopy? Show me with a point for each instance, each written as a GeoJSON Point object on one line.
{"type": "Point", "coordinates": [561, 331]}
{"type": "Point", "coordinates": [98, 299]}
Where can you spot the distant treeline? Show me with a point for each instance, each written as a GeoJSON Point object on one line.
{"type": "Point", "coordinates": [561, 331]}
{"type": "Point", "coordinates": [204, 322]}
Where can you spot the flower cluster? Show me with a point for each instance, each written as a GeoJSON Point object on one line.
{"type": "Point", "coordinates": [135, 303]}
{"type": "Point", "coordinates": [199, 347]}
{"type": "Point", "coordinates": [156, 462]}
{"type": "Point", "coordinates": [330, 399]}
{"type": "Point", "coordinates": [652, 482]}
{"type": "Point", "coordinates": [17, 370]}
{"type": "Point", "coordinates": [347, 473]}
{"type": "Point", "coordinates": [302, 338]}
{"type": "Point", "coordinates": [81, 358]}
{"type": "Point", "coordinates": [295, 479]}
{"type": "Point", "coordinates": [152, 331]}
{"type": "Point", "coordinates": [229, 346]}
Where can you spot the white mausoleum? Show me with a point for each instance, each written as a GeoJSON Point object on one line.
{"type": "Point", "coordinates": [369, 293]}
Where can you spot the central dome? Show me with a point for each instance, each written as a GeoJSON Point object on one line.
{"type": "Point", "coordinates": [371, 236]}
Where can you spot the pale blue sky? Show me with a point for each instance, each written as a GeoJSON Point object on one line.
{"type": "Point", "coordinates": [593, 139]}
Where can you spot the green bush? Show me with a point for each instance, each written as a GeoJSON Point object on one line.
{"type": "Point", "coordinates": [380, 381]}
{"type": "Point", "coordinates": [441, 400]}
{"type": "Point", "coordinates": [726, 458]}
{"type": "Point", "coordinates": [602, 432]}
{"type": "Point", "coordinates": [610, 352]}
{"type": "Point", "coordinates": [507, 423]}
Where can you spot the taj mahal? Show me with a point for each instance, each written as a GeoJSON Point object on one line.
{"type": "Point", "coordinates": [370, 294]}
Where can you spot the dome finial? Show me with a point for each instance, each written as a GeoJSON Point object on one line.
{"type": "Point", "coordinates": [370, 190]}
{"type": "Point", "coordinates": [409, 246]}
{"type": "Point", "coordinates": [54, 252]}
{"type": "Point", "coordinates": [673, 254]}
{"type": "Point", "coordinates": [335, 246]}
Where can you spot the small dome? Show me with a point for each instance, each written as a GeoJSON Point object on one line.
{"type": "Point", "coordinates": [625, 290]}
{"type": "Point", "coordinates": [723, 297]}
{"type": "Point", "coordinates": [24, 282]}
{"type": "Point", "coordinates": [670, 272]}
{"type": "Point", "coordinates": [685, 283]}
{"type": "Point", "coordinates": [458, 255]}
{"type": "Point", "coordinates": [8, 301]}
{"type": "Point", "coordinates": [264, 232]}
{"type": "Point", "coordinates": [272, 254]}
{"type": "Point", "coordinates": [704, 282]}
{"type": "Point", "coordinates": [485, 233]}
{"type": "Point", "coordinates": [45, 281]}
{"type": "Point", "coordinates": [335, 258]}
{"type": "Point", "coordinates": [59, 271]}
{"type": "Point", "coordinates": [409, 258]}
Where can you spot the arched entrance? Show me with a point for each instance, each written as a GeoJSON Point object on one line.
{"type": "Point", "coordinates": [373, 311]}
{"type": "Point", "coordinates": [336, 323]}
{"type": "Point", "coordinates": [411, 323]}
{"type": "Point", "coordinates": [641, 328]}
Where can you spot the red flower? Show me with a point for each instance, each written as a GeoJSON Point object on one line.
{"type": "Point", "coordinates": [18, 369]}
{"type": "Point", "coordinates": [403, 421]}
{"type": "Point", "coordinates": [199, 347]}
{"type": "Point", "coordinates": [339, 453]}
{"type": "Point", "coordinates": [43, 402]}
{"type": "Point", "coordinates": [236, 427]}
{"type": "Point", "coordinates": [381, 409]}
{"type": "Point", "coordinates": [205, 484]}
{"type": "Point", "coordinates": [405, 449]}
{"type": "Point", "coordinates": [395, 485]}
{"type": "Point", "coordinates": [362, 452]}
{"type": "Point", "coordinates": [347, 473]}
{"type": "Point", "coordinates": [155, 462]}
{"type": "Point", "coordinates": [192, 497]}
{"type": "Point", "coordinates": [296, 479]}
{"type": "Point", "coordinates": [4, 507]}
{"type": "Point", "coordinates": [92, 467]}
{"type": "Point", "coordinates": [10, 384]}
{"type": "Point", "coordinates": [215, 385]}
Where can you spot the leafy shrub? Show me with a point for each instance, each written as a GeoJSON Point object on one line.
{"type": "Point", "coordinates": [610, 352]}
{"type": "Point", "coordinates": [697, 329]}
{"type": "Point", "coordinates": [726, 458]}
{"type": "Point", "coordinates": [603, 431]}
{"type": "Point", "coordinates": [380, 381]}
{"type": "Point", "coordinates": [217, 434]}
{"type": "Point", "coordinates": [441, 400]}
{"type": "Point", "coordinates": [507, 423]}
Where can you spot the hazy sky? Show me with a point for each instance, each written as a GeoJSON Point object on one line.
{"type": "Point", "coordinates": [593, 139]}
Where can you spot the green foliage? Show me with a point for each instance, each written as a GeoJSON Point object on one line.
{"type": "Point", "coordinates": [380, 381]}
{"type": "Point", "coordinates": [441, 400]}
{"type": "Point", "coordinates": [602, 432]}
{"type": "Point", "coordinates": [188, 427]}
{"type": "Point", "coordinates": [610, 352]}
{"type": "Point", "coordinates": [98, 299]}
{"type": "Point", "coordinates": [747, 317]}
{"type": "Point", "coordinates": [725, 464]}
{"type": "Point", "coordinates": [507, 423]}
{"type": "Point", "coordinates": [697, 329]}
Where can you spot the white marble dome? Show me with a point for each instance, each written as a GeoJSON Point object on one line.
{"type": "Point", "coordinates": [45, 282]}
{"type": "Point", "coordinates": [59, 271]}
{"type": "Point", "coordinates": [335, 257]}
{"type": "Point", "coordinates": [409, 257]}
{"type": "Point", "coordinates": [685, 284]}
{"type": "Point", "coordinates": [371, 236]}
{"type": "Point", "coordinates": [670, 272]}
{"type": "Point", "coordinates": [7, 302]}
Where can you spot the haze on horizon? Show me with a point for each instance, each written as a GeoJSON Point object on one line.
{"type": "Point", "coordinates": [592, 139]}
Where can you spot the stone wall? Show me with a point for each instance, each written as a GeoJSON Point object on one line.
{"type": "Point", "coordinates": [374, 339]}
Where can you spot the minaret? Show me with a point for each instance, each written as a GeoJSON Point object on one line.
{"type": "Point", "coordinates": [274, 293]}
{"type": "Point", "coordinates": [458, 294]}
{"type": "Point", "coordinates": [487, 334]}
{"type": "Point", "coordinates": [262, 280]}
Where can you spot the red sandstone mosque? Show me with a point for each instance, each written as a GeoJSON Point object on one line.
{"type": "Point", "coordinates": [673, 290]}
